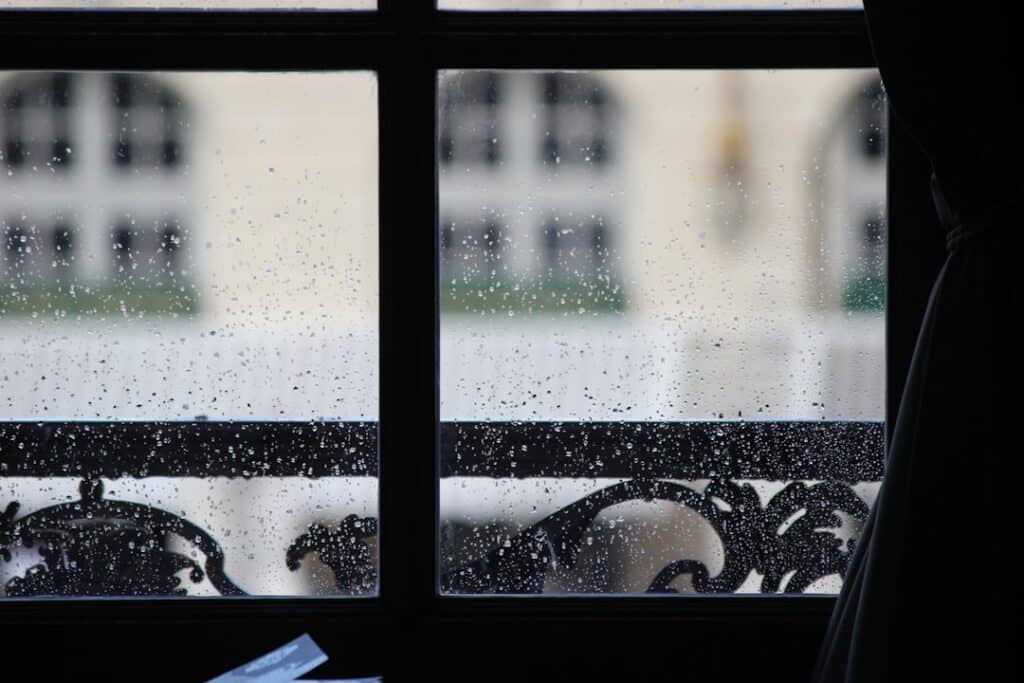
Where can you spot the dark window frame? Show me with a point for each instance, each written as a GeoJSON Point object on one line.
{"type": "Point", "coordinates": [405, 42]}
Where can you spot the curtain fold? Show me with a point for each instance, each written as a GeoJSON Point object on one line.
{"type": "Point", "coordinates": [927, 584]}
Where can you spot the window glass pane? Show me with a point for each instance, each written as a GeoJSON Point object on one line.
{"type": "Point", "coordinates": [191, 4]}
{"type": "Point", "coordinates": [188, 320]}
{"type": "Point", "coordinates": [553, 5]}
{"type": "Point", "coordinates": [662, 330]}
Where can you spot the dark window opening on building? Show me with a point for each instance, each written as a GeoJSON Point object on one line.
{"type": "Point", "coordinates": [492, 243]}
{"type": "Point", "coordinates": [16, 247]}
{"type": "Point", "coordinates": [576, 119]}
{"type": "Point", "coordinates": [170, 247]}
{"type": "Point", "coordinates": [63, 247]}
{"type": "Point", "coordinates": [36, 122]}
{"type": "Point", "coordinates": [124, 249]}
{"type": "Point", "coordinates": [148, 122]}
{"type": "Point", "coordinates": [873, 122]}
{"type": "Point", "coordinates": [470, 122]}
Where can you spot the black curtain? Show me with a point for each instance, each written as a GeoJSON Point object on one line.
{"type": "Point", "coordinates": [925, 596]}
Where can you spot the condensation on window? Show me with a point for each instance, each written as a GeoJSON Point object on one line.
{"type": "Point", "coordinates": [662, 299]}
{"type": "Point", "coordinates": [188, 287]}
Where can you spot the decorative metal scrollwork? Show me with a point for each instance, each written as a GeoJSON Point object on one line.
{"type": "Point", "coordinates": [344, 550]}
{"type": "Point", "coordinates": [103, 547]}
{"type": "Point", "coordinates": [788, 535]}
{"type": "Point", "coordinates": [98, 546]}
{"type": "Point", "coordinates": [95, 546]}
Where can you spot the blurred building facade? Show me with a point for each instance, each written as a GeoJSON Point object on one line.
{"type": "Point", "coordinates": [269, 184]}
{"type": "Point", "coordinates": [715, 238]}
{"type": "Point", "coordinates": [69, 139]}
{"type": "Point", "coordinates": [610, 200]}
{"type": "Point", "coordinates": [699, 245]}
{"type": "Point", "coordinates": [613, 245]}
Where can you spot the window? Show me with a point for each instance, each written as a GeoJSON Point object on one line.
{"type": "Point", "coordinates": [221, 239]}
{"type": "Point", "coordinates": [854, 224]}
{"type": "Point", "coordinates": [36, 122]}
{"type": "Point", "coordinates": [126, 134]}
{"type": "Point", "coordinates": [607, 342]}
{"type": "Point", "coordinates": [553, 130]}
{"type": "Point", "coordinates": [147, 123]}
{"type": "Point", "coordinates": [471, 133]}
{"type": "Point", "coordinates": [236, 182]}
{"type": "Point", "coordinates": [574, 120]}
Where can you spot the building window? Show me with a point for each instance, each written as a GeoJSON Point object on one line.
{"type": "Point", "coordinates": [107, 321]}
{"type": "Point", "coordinates": [170, 248]}
{"type": "Point", "coordinates": [576, 120]}
{"type": "Point", "coordinates": [577, 249]}
{"type": "Point", "coordinates": [125, 251]}
{"type": "Point", "coordinates": [864, 289]}
{"type": "Point", "coordinates": [148, 123]}
{"type": "Point", "coordinates": [63, 250]}
{"type": "Point", "coordinates": [471, 132]}
{"type": "Point", "coordinates": [871, 112]}
{"type": "Point", "coordinates": [850, 181]}
{"type": "Point", "coordinates": [19, 250]}
{"type": "Point", "coordinates": [36, 122]}
{"type": "Point", "coordinates": [472, 265]}
{"type": "Point", "coordinates": [569, 259]}
{"type": "Point", "coordinates": [78, 248]}
{"type": "Point", "coordinates": [620, 325]}
{"type": "Point", "coordinates": [147, 251]}
{"type": "Point", "coordinates": [266, 387]}
{"type": "Point", "coordinates": [38, 258]}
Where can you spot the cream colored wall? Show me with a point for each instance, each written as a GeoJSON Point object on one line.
{"type": "Point", "coordinates": [282, 226]}
{"type": "Point", "coordinates": [678, 257]}
{"type": "Point", "coordinates": [714, 326]}
{"type": "Point", "coordinates": [287, 164]}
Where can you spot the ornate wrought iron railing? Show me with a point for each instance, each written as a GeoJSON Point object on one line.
{"type": "Point", "coordinates": [101, 546]}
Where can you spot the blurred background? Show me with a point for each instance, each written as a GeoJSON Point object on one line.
{"type": "Point", "coordinates": [702, 245]}
{"type": "Point", "coordinates": [200, 246]}
{"type": "Point", "coordinates": [653, 246]}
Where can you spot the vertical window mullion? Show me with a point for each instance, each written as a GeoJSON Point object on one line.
{"type": "Point", "coordinates": [409, 340]}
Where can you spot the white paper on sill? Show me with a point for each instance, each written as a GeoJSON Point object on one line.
{"type": "Point", "coordinates": [284, 664]}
